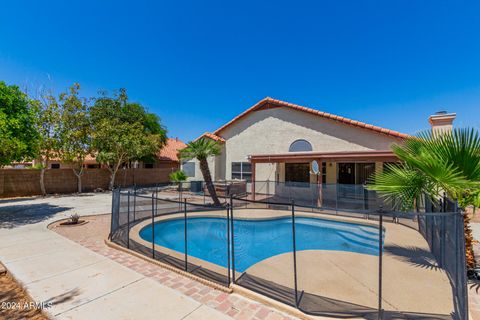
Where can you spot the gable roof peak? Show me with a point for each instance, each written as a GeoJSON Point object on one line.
{"type": "Point", "coordinates": [322, 114]}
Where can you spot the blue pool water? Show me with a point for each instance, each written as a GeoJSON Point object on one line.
{"type": "Point", "coordinates": [256, 240]}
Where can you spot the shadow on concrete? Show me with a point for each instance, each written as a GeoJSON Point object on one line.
{"type": "Point", "coordinates": [415, 256]}
{"type": "Point", "coordinates": [64, 297]}
{"type": "Point", "coordinates": [474, 285]}
{"type": "Point", "coordinates": [322, 306]}
{"type": "Point", "coordinates": [20, 215]}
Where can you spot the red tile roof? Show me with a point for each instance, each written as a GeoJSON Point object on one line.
{"type": "Point", "coordinates": [269, 102]}
{"type": "Point", "coordinates": [211, 136]}
{"type": "Point", "coordinates": [170, 151]}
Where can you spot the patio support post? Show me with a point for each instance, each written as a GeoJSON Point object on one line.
{"type": "Point", "coordinates": [185, 233]}
{"type": "Point", "coordinates": [294, 242]}
{"type": "Point", "coordinates": [319, 184]}
{"type": "Point", "coordinates": [153, 225]}
{"type": "Point", "coordinates": [128, 220]}
{"type": "Point", "coordinates": [253, 179]}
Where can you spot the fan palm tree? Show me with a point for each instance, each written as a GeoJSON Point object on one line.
{"type": "Point", "coordinates": [433, 164]}
{"type": "Point", "coordinates": [201, 149]}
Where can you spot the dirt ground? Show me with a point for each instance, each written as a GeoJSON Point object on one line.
{"type": "Point", "coordinates": [15, 302]}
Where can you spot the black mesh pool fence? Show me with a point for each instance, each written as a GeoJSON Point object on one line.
{"type": "Point", "coordinates": [368, 263]}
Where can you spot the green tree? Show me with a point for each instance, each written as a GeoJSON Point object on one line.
{"type": "Point", "coordinates": [48, 113]}
{"type": "Point", "coordinates": [201, 149]}
{"type": "Point", "coordinates": [124, 132]}
{"type": "Point", "coordinates": [18, 136]}
{"type": "Point", "coordinates": [75, 134]}
{"type": "Point", "coordinates": [433, 164]}
{"type": "Point", "coordinates": [178, 176]}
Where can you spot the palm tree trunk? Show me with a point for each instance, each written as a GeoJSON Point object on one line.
{"type": "Point", "coordinates": [470, 257]}
{"type": "Point", "coordinates": [208, 180]}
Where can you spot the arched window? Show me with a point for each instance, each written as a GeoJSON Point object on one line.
{"type": "Point", "coordinates": [300, 145]}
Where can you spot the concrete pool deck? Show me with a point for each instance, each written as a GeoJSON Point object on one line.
{"type": "Point", "coordinates": [412, 282]}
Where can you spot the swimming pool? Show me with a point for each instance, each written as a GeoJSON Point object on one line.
{"type": "Point", "coordinates": [256, 240]}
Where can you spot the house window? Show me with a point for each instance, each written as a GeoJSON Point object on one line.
{"type": "Point", "coordinates": [148, 165]}
{"type": "Point", "coordinates": [93, 166]}
{"type": "Point", "coordinates": [300, 145]}
{"type": "Point", "coordinates": [242, 171]}
{"type": "Point", "coordinates": [297, 172]}
{"type": "Point", "coordinates": [55, 166]}
{"type": "Point", "coordinates": [189, 168]}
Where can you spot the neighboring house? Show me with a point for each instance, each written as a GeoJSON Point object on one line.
{"type": "Point", "coordinates": [166, 158]}
{"type": "Point", "coordinates": [277, 141]}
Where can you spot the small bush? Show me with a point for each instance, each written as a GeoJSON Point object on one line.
{"type": "Point", "coordinates": [178, 176]}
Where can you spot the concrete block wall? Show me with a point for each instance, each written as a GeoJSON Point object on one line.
{"type": "Point", "coordinates": [26, 182]}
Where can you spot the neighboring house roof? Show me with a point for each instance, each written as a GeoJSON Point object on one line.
{"type": "Point", "coordinates": [270, 102]}
{"type": "Point", "coordinates": [211, 136]}
{"type": "Point", "coordinates": [170, 151]}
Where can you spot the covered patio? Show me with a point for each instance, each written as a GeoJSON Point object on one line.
{"type": "Point", "coordinates": [294, 169]}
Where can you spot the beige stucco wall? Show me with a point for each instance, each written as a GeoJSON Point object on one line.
{"type": "Point", "coordinates": [331, 172]}
{"type": "Point", "coordinates": [212, 164]}
{"type": "Point", "coordinates": [272, 131]}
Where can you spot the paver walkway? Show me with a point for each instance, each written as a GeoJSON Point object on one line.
{"type": "Point", "coordinates": [86, 279]}
{"type": "Point", "coordinates": [81, 284]}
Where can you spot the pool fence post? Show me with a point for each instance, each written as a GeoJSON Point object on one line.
{"type": "Point", "coordinates": [114, 191]}
{"type": "Point", "coordinates": [153, 225]}
{"type": "Point", "coordinates": [380, 262]}
{"type": "Point", "coordinates": [363, 198]}
{"type": "Point", "coordinates": [232, 239]}
{"type": "Point", "coordinates": [134, 201]}
{"type": "Point", "coordinates": [268, 187]}
{"type": "Point", "coordinates": [185, 233]}
{"type": "Point", "coordinates": [228, 242]}
{"type": "Point", "coordinates": [294, 253]}
{"type": "Point", "coordinates": [336, 198]}
{"type": "Point", "coordinates": [128, 220]}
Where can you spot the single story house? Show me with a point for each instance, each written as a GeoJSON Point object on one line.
{"type": "Point", "coordinates": [277, 141]}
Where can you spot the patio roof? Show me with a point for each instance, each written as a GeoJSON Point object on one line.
{"type": "Point", "coordinates": [358, 156]}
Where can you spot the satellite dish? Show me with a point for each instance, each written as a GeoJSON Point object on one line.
{"type": "Point", "coordinates": [315, 167]}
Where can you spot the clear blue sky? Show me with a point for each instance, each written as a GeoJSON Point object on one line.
{"type": "Point", "coordinates": [197, 64]}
